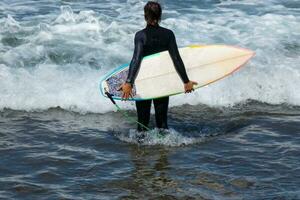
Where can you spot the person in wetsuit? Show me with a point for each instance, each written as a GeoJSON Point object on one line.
{"type": "Point", "coordinates": [150, 40]}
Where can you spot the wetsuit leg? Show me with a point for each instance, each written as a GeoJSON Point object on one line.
{"type": "Point", "coordinates": [161, 112]}
{"type": "Point", "coordinates": [143, 111]}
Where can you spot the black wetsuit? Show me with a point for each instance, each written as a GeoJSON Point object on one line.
{"type": "Point", "coordinates": [150, 40]}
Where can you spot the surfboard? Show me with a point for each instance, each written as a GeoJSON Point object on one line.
{"type": "Point", "coordinates": [157, 76]}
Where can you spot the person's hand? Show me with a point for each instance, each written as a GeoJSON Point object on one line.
{"type": "Point", "coordinates": [127, 90]}
{"type": "Point", "coordinates": [188, 87]}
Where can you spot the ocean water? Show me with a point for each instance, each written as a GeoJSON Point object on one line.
{"type": "Point", "coordinates": [238, 138]}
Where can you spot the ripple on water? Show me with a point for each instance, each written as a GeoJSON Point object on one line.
{"type": "Point", "coordinates": [169, 137]}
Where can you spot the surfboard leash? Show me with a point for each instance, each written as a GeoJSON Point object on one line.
{"type": "Point", "coordinates": [125, 114]}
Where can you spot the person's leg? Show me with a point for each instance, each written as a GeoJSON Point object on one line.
{"type": "Point", "coordinates": [161, 112]}
{"type": "Point", "coordinates": [143, 109]}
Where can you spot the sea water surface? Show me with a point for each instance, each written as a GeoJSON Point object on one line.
{"type": "Point", "coordinates": [238, 138]}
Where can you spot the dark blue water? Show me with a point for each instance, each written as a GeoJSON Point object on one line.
{"type": "Point", "coordinates": [238, 138]}
{"type": "Point", "coordinates": [248, 151]}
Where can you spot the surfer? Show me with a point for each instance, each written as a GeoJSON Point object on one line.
{"type": "Point", "coordinates": [150, 40]}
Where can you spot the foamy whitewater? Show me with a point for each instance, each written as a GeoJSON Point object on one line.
{"type": "Point", "coordinates": [54, 56]}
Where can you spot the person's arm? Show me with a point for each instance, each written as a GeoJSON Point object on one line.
{"type": "Point", "coordinates": [179, 66]}
{"type": "Point", "coordinates": [136, 59]}
{"type": "Point", "coordinates": [134, 66]}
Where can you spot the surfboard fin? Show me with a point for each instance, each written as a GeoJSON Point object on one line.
{"type": "Point", "coordinates": [109, 96]}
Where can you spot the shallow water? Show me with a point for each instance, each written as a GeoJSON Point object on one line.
{"type": "Point", "coordinates": [238, 138]}
{"type": "Point", "coordinates": [249, 151]}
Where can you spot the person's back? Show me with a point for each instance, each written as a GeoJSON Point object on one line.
{"type": "Point", "coordinates": [151, 40]}
{"type": "Point", "coordinates": [156, 39]}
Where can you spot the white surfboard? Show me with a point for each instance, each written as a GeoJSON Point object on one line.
{"type": "Point", "coordinates": [157, 76]}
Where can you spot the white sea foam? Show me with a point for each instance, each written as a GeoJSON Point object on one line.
{"type": "Point", "coordinates": [58, 61]}
{"type": "Point", "coordinates": [156, 137]}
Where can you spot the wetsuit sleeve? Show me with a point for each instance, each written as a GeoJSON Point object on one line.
{"type": "Point", "coordinates": [179, 66]}
{"type": "Point", "coordinates": [136, 59]}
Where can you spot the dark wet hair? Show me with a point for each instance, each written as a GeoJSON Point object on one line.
{"type": "Point", "coordinates": [152, 11]}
